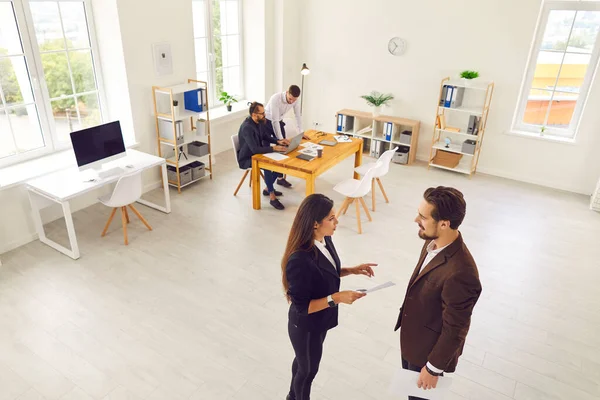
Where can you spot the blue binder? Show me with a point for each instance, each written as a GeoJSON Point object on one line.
{"type": "Point", "coordinates": [191, 100]}
{"type": "Point", "coordinates": [449, 93]}
{"type": "Point", "coordinates": [339, 122]}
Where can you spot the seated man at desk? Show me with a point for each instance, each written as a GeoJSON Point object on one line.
{"type": "Point", "coordinates": [254, 139]}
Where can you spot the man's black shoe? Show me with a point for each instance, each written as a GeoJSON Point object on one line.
{"type": "Point", "coordinates": [284, 183]}
{"type": "Point", "coordinates": [265, 193]}
{"type": "Point", "coordinates": [276, 204]}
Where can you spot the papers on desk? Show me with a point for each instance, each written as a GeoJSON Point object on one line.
{"type": "Point", "coordinates": [378, 287]}
{"type": "Point", "coordinates": [404, 383]}
{"type": "Point", "coordinates": [276, 156]}
{"type": "Point", "coordinates": [342, 139]}
{"type": "Point", "coordinates": [309, 152]}
{"type": "Point", "coordinates": [313, 146]}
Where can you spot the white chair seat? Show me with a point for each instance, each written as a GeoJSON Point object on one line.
{"type": "Point", "coordinates": [347, 187]}
{"type": "Point", "coordinates": [362, 170]}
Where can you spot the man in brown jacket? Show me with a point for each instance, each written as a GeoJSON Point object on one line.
{"type": "Point", "coordinates": [442, 291]}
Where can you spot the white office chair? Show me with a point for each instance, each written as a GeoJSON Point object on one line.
{"type": "Point", "coordinates": [127, 191]}
{"type": "Point", "coordinates": [235, 141]}
{"type": "Point", "coordinates": [355, 190]}
{"type": "Point", "coordinates": [384, 166]}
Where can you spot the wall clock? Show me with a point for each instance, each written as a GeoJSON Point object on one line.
{"type": "Point", "coordinates": [397, 46]}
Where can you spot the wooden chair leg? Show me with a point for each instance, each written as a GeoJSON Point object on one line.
{"type": "Point", "coordinates": [139, 216]}
{"type": "Point", "coordinates": [127, 215]}
{"type": "Point", "coordinates": [358, 215]}
{"type": "Point", "coordinates": [342, 207]}
{"type": "Point", "coordinates": [364, 204]}
{"type": "Point", "coordinates": [348, 204]}
{"type": "Point", "coordinates": [383, 191]}
{"type": "Point", "coordinates": [112, 214]}
{"type": "Point", "coordinates": [373, 192]}
{"type": "Point", "coordinates": [124, 221]}
{"type": "Point", "coordinates": [242, 181]}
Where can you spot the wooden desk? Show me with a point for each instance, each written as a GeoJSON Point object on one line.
{"type": "Point", "coordinates": [307, 170]}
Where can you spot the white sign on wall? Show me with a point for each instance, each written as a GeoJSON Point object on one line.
{"type": "Point", "coordinates": [163, 61]}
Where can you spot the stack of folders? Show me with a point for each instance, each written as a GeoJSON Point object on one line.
{"type": "Point", "coordinates": [376, 147]}
{"type": "Point", "coordinates": [473, 127]}
{"type": "Point", "coordinates": [165, 129]}
{"type": "Point", "coordinates": [388, 131]}
{"type": "Point", "coordinates": [345, 123]}
{"type": "Point", "coordinates": [452, 96]}
{"type": "Point", "coordinates": [195, 100]}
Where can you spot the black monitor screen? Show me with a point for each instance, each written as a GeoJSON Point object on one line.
{"type": "Point", "coordinates": [97, 143]}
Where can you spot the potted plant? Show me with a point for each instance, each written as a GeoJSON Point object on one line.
{"type": "Point", "coordinates": [467, 76]}
{"type": "Point", "coordinates": [227, 99]}
{"type": "Point", "coordinates": [376, 100]}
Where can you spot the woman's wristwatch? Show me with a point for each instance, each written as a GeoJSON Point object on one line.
{"type": "Point", "coordinates": [330, 301]}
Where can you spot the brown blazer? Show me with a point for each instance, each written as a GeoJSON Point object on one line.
{"type": "Point", "coordinates": [436, 312]}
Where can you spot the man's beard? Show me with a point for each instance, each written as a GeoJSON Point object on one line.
{"type": "Point", "coordinates": [262, 121]}
{"type": "Point", "coordinates": [423, 236]}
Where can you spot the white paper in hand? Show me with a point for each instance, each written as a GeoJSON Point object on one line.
{"type": "Point", "coordinates": [404, 383]}
{"type": "Point", "coordinates": [378, 287]}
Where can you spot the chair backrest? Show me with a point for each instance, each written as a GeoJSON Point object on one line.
{"type": "Point", "coordinates": [365, 183]}
{"type": "Point", "coordinates": [384, 160]}
{"type": "Point", "coordinates": [235, 141]}
{"type": "Point", "coordinates": [128, 190]}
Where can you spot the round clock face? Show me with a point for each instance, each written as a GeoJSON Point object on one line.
{"type": "Point", "coordinates": [397, 46]}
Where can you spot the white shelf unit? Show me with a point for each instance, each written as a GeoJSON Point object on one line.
{"type": "Point", "coordinates": [371, 129]}
{"type": "Point", "coordinates": [468, 113]}
{"type": "Point", "coordinates": [175, 131]}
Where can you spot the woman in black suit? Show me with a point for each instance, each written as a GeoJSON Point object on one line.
{"type": "Point", "coordinates": [311, 272]}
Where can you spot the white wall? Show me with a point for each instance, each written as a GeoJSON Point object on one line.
{"type": "Point", "coordinates": [344, 43]}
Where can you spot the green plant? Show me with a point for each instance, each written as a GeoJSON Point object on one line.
{"type": "Point", "coordinates": [227, 99]}
{"type": "Point", "coordinates": [469, 74]}
{"type": "Point", "coordinates": [377, 99]}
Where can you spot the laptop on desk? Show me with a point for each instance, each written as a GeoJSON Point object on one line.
{"type": "Point", "coordinates": [294, 143]}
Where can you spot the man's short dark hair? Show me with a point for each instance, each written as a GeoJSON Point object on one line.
{"type": "Point", "coordinates": [448, 205]}
{"type": "Point", "coordinates": [253, 106]}
{"type": "Point", "coordinates": [294, 91]}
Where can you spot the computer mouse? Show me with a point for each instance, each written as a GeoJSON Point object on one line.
{"type": "Point", "coordinates": [129, 166]}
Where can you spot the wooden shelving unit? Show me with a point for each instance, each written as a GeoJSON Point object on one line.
{"type": "Point", "coordinates": [188, 121]}
{"type": "Point", "coordinates": [364, 125]}
{"type": "Point", "coordinates": [476, 98]}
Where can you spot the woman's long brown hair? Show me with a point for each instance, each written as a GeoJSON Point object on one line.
{"type": "Point", "coordinates": [313, 209]}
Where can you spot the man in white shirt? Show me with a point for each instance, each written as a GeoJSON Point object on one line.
{"type": "Point", "coordinates": [279, 104]}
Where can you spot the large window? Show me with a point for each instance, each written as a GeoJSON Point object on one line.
{"type": "Point", "coordinates": [49, 84]}
{"type": "Point", "coordinates": [218, 43]}
{"type": "Point", "coordinates": [561, 67]}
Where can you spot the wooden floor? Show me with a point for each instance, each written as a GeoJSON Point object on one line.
{"type": "Point", "coordinates": [194, 309]}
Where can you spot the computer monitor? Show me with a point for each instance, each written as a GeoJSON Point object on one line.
{"type": "Point", "coordinates": [98, 145]}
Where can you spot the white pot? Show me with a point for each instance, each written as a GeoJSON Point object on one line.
{"type": "Point", "coordinates": [376, 111]}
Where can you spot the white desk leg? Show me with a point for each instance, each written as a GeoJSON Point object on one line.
{"type": "Point", "coordinates": [167, 208]}
{"type": "Point", "coordinates": [37, 204]}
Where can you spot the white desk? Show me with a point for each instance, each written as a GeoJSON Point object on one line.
{"type": "Point", "coordinates": [62, 186]}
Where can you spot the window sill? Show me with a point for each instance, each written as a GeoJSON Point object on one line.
{"type": "Point", "coordinates": [537, 136]}
{"type": "Point", "coordinates": [17, 174]}
{"type": "Point", "coordinates": [220, 115]}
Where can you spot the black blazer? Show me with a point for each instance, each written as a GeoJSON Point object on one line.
{"type": "Point", "coordinates": [254, 139]}
{"type": "Point", "coordinates": [311, 276]}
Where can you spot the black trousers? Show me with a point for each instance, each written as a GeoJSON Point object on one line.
{"type": "Point", "coordinates": [271, 130]}
{"type": "Point", "coordinates": [412, 367]}
{"type": "Point", "coordinates": [308, 347]}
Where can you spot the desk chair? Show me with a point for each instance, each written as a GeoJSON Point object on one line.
{"type": "Point", "coordinates": [127, 191]}
{"type": "Point", "coordinates": [384, 167]}
{"type": "Point", "coordinates": [235, 141]}
{"type": "Point", "coordinates": [355, 190]}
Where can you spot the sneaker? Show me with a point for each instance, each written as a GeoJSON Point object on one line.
{"type": "Point", "coordinates": [276, 204]}
{"type": "Point", "coordinates": [265, 193]}
{"type": "Point", "coordinates": [284, 183]}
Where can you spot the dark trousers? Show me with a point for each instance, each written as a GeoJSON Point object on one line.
{"type": "Point", "coordinates": [269, 127]}
{"type": "Point", "coordinates": [270, 178]}
{"type": "Point", "coordinates": [412, 367]}
{"type": "Point", "coordinates": [308, 347]}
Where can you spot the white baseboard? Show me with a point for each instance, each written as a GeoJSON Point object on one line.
{"type": "Point", "coordinates": [524, 179]}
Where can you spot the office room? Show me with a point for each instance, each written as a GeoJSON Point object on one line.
{"type": "Point", "coordinates": [162, 165]}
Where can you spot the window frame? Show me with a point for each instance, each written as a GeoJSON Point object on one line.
{"type": "Point", "coordinates": [570, 133]}
{"type": "Point", "coordinates": [210, 52]}
{"type": "Point", "coordinates": [39, 87]}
